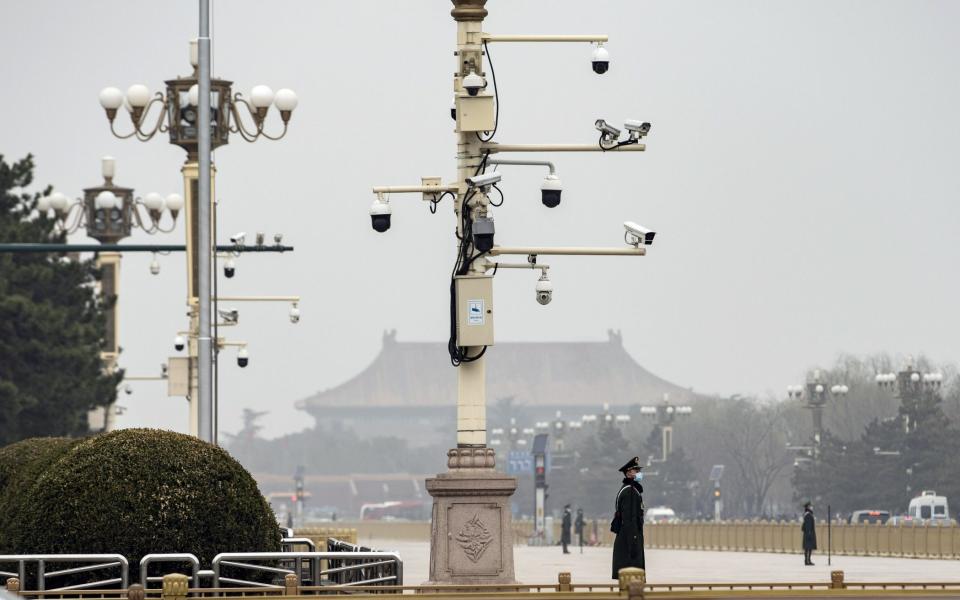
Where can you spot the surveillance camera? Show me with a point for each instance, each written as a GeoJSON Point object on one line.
{"type": "Point", "coordinates": [278, 239]}
{"type": "Point", "coordinates": [229, 268]}
{"type": "Point", "coordinates": [600, 60]}
{"type": "Point", "coordinates": [638, 234]}
{"type": "Point", "coordinates": [473, 83]}
{"type": "Point", "coordinates": [127, 389]}
{"type": "Point", "coordinates": [243, 358]}
{"type": "Point", "coordinates": [294, 314]}
{"type": "Point", "coordinates": [231, 315]}
{"type": "Point", "coordinates": [154, 267]}
{"type": "Point", "coordinates": [483, 231]}
{"type": "Point", "coordinates": [637, 129]}
{"type": "Point", "coordinates": [453, 109]}
{"type": "Point", "coordinates": [484, 180]}
{"type": "Point", "coordinates": [608, 131]}
{"type": "Point", "coordinates": [550, 191]}
{"type": "Point", "coordinates": [178, 343]}
{"type": "Point", "coordinates": [544, 290]}
{"type": "Point", "coordinates": [238, 238]}
{"type": "Point", "coordinates": [380, 215]}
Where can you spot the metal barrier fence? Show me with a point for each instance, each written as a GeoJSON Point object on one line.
{"type": "Point", "coordinates": [35, 566]}
{"type": "Point", "coordinates": [908, 541]}
{"type": "Point", "coordinates": [341, 568]}
{"type": "Point", "coordinates": [632, 585]}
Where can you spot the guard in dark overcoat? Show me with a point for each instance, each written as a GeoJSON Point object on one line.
{"type": "Point", "coordinates": [565, 537]}
{"type": "Point", "coordinates": [809, 534]}
{"type": "Point", "coordinates": [578, 527]}
{"type": "Point", "coordinates": [628, 520]}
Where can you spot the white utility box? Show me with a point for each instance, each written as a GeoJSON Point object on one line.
{"type": "Point", "coordinates": [475, 113]}
{"type": "Point", "coordinates": [474, 310]}
{"type": "Point", "coordinates": [178, 376]}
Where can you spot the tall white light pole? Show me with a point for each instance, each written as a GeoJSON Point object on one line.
{"type": "Point", "coordinates": [471, 539]}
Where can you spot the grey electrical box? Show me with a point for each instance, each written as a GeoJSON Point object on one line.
{"type": "Point", "coordinates": [178, 376]}
{"type": "Point", "coordinates": [474, 310]}
{"type": "Point", "coordinates": [475, 113]}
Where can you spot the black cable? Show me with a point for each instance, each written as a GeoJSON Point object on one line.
{"type": "Point", "coordinates": [492, 203]}
{"type": "Point", "coordinates": [496, 96]}
{"type": "Point", "coordinates": [434, 203]}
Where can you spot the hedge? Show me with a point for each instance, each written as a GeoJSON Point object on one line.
{"type": "Point", "coordinates": [140, 491]}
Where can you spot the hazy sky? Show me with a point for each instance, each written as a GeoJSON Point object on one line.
{"type": "Point", "coordinates": [801, 174]}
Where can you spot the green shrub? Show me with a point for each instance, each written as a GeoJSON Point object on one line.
{"type": "Point", "coordinates": [21, 464]}
{"type": "Point", "coordinates": [138, 491]}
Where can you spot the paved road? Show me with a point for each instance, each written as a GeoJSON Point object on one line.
{"type": "Point", "coordinates": [541, 565]}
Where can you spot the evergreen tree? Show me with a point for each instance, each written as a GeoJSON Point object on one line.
{"type": "Point", "coordinates": [51, 324]}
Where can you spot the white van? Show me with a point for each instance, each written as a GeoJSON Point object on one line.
{"type": "Point", "coordinates": [930, 507]}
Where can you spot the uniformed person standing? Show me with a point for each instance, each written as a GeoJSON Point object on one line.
{"type": "Point", "coordinates": [565, 529]}
{"type": "Point", "coordinates": [809, 530]}
{"type": "Point", "coordinates": [628, 520]}
{"type": "Point", "coordinates": [578, 527]}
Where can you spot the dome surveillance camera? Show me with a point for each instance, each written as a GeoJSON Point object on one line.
{"type": "Point", "coordinates": [154, 267]}
{"type": "Point", "coordinates": [178, 343]}
{"type": "Point", "coordinates": [243, 358]}
{"type": "Point", "coordinates": [294, 314]}
{"type": "Point", "coordinates": [600, 60]}
{"type": "Point", "coordinates": [380, 212]}
{"type": "Point", "coordinates": [473, 83]}
{"type": "Point", "coordinates": [127, 389]}
{"type": "Point", "coordinates": [544, 290]}
{"type": "Point", "coordinates": [229, 268]}
{"type": "Point", "coordinates": [550, 191]}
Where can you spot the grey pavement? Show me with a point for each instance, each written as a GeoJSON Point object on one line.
{"type": "Point", "coordinates": [541, 565]}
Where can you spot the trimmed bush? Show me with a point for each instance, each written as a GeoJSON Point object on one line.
{"type": "Point", "coordinates": [138, 491]}
{"type": "Point", "coordinates": [21, 464]}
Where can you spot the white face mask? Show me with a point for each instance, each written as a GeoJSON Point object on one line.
{"type": "Point", "coordinates": [638, 477]}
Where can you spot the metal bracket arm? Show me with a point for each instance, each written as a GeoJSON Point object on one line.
{"type": "Point", "coordinates": [490, 37]}
{"type": "Point", "coordinates": [493, 148]}
{"type": "Point", "coordinates": [567, 251]}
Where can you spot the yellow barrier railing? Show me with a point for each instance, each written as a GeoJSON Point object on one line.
{"type": "Point", "coordinates": [910, 541]}
{"type": "Point", "coordinates": [631, 585]}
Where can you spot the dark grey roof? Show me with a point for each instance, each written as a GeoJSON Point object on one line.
{"type": "Point", "coordinates": [419, 374]}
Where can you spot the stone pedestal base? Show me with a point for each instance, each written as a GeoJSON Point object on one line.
{"type": "Point", "coordinates": [471, 537]}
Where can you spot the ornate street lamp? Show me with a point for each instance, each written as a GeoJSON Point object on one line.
{"type": "Point", "coordinates": [817, 394]}
{"type": "Point", "coordinates": [179, 106]}
{"type": "Point", "coordinates": [175, 111]}
{"type": "Point", "coordinates": [110, 212]}
{"type": "Point", "coordinates": [911, 386]}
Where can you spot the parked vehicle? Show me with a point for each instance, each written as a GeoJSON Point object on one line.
{"type": "Point", "coordinates": [929, 507]}
{"type": "Point", "coordinates": [660, 514]}
{"type": "Point", "coordinates": [869, 516]}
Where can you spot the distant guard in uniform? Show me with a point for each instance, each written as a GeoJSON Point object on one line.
{"type": "Point", "coordinates": [809, 530]}
{"type": "Point", "coordinates": [578, 527]}
{"type": "Point", "coordinates": [628, 520]}
{"type": "Point", "coordinates": [565, 529]}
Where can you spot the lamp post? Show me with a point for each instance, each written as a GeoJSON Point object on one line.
{"type": "Point", "coordinates": [665, 415]}
{"type": "Point", "coordinates": [471, 540]}
{"type": "Point", "coordinates": [198, 123]}
{"type": "Point", "coordinates": [915, 389]}
{"type": "Point", "coordinates": [816, 394]}
{"type": "Point", "coordinates": [109, 213]}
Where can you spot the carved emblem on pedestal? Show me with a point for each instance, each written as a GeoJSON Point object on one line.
{"type": "Point", "coordinates": [474, 538]}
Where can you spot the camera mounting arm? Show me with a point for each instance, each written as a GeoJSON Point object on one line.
{"type": "Point", "coordinates": [494, 147]}
{"type": "Point", "coordinates": [566, 251]}
{"type": "Point", "coordinates": [596, 39]}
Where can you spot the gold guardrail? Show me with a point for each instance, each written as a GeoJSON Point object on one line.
{"type": "Point", "coordinates": [632, 585]}
{"type": "Point", "coordinates": [863, 539]}
{"type": "Point", "coordinates": [320, 535]}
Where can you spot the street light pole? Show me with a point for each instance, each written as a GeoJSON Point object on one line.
{"type": "Point", "coordinates": [205, 257]}
{"type": "Point", "coordinates": [201, 112]}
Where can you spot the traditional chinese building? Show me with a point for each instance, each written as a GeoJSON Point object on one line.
{"type": "Point", "coordinates": [409, 389]}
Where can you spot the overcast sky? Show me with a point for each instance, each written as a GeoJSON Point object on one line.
{"type": "Point", "coordinates": [802, 175]}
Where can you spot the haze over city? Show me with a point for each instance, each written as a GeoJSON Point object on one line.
{"type": "Point", "coordinates": [800, 173]}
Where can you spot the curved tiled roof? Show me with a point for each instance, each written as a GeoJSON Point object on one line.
{"type": "Point", "coordinates": [418, 374]}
